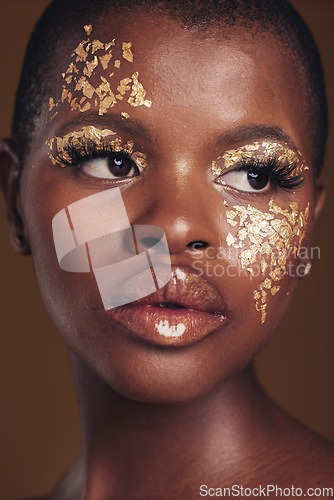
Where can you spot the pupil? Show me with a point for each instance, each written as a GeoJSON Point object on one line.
{"type": "Point", "coordinates": [119, 166]}
{"type": "Point", "coordinates": [257, 180]}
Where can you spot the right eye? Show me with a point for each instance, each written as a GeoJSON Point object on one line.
{"type": "Point", "coordinates": [113, 166]}
{"type": "Point", "coordinates": [246, 180]}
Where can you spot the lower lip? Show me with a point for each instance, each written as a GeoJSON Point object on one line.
{"type": "Point", "coordinates": [167, 327]}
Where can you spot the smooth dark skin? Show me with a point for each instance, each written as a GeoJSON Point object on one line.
{"type": "Point", "coordinates": [159, 422]}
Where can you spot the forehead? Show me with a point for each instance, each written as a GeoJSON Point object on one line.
{"type": "Point", "coordinates": [219, 79]}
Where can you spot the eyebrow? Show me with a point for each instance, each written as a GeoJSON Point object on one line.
{"type": "Point", "coordinates": [254, 133]}
{"type": "Point", "coordinates": [129, 125]}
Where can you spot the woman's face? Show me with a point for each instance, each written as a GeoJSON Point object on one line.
{"type": "Point", "coordinates": [219, 146]}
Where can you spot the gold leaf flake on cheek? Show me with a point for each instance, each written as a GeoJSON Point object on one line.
{"type": "Point", "coordinates": [80, 78]}
{"type": "Point", "coordinates": [123, 87]}
{"type": "Point", "coordinates": [51, 103]}
{"type": "Point", "coordinates": [127, 53]}
{"type": "Point", "coordinates": [269, 238]}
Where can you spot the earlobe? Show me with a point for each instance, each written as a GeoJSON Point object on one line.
{"type": "Point", "coordinates": [10, 188]}
{"type": "Point", "coordinates": [320, 194]}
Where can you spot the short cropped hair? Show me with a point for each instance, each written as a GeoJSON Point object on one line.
{"type": "Point", "coordinates": [275, 17]}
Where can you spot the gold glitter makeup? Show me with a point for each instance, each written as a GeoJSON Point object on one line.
{"type": "Point", "coordinates": [80, 82]}
{"type": "Point", "coordinates": [105, 60]}
{"type": "Point", "coordinates": [79, 140]}
{"type": "Point", "coordinates": [138, 93]}
{"type": "Point", "coordinates": [127, 54]}
{"type": "Point", "coordinates": [88, 29]}
{"type": "Point", "coordinates": [263, 237]}
{"type": "Point", "coordinates": [261, 151]}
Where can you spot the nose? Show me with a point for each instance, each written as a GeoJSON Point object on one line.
{"type": "Point", "coordinates": [185, 208]}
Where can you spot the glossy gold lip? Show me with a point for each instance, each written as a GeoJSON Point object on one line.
{"type": "Point", "coordinates": [183, 312]}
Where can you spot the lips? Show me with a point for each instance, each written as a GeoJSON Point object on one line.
{"type": "Point", "coordinates": [181, 313]}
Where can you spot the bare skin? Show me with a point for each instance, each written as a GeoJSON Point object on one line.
{"type": "Point", "coordinates": [159, 422]}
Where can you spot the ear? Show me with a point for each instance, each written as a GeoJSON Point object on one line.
{"type": "Point", "coordinates": [320, 194]}
{"type": "Point", "coordinates": [10, 187]}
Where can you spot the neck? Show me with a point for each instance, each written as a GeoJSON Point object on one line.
{"type": "Point", "coordinates": [126, 443]}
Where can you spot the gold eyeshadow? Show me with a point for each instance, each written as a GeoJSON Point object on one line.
{"type": "Point", "coordinates": [261, 151]}
{"type": "Point", "coordinates": [94, 137]}
{"type": "Point", "coordinates": [270, 239]}
{"type": "Point", "coordinates": [79, 90]}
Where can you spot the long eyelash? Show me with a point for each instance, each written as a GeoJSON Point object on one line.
{"type": "Point", "coordinates": [278, 173]}
{"type": "Point", "coordinates": [89, 150]}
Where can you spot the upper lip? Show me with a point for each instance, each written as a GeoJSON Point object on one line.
{"type": "Point", "coordinates": [188, 290]}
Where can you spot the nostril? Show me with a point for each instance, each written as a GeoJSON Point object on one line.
{"type": "Point", "coordinates": [197, 245]}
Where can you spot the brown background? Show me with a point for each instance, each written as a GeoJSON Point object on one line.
{"type": "Point", "coordinates": [39, 432]}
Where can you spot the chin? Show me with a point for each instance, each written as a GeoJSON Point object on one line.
{"type": "Point", "coordinates": [158, 375]}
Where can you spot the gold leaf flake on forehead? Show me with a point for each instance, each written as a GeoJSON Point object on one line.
{"type": "Point", "coordinates": [81, 52]}
{"type": "Point", "coordinates": [264, 237]}
{"type": "Point", "coordinates": [108, 102]}
{"type": "Point", "coordinates": [86, 107]}
{"type": "Point", "coordinates": [109, 45]}
{"type": "Point", "coordinates": [97, 45]}
{"type": "Point", "coordinates": [87, 89]}
{"type": "Point", "coordinates": [79, 84]}
{"type": "Point", "coordinates": [127, 53]}
{"type": "Point", "coordinates": [90, 66]}
{"type": "Point", "coordinates": [138, 93]}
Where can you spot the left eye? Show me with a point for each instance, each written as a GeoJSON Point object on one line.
{"type": "Point", "coordinates": [114, 166]}
{"type": "Point", "coordinates": [246, 180]}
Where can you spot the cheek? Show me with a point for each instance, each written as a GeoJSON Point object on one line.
{"type": "Point", "coordinates": [65, 295]}
{"type": "Point", "coordinates": [269, 246]}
